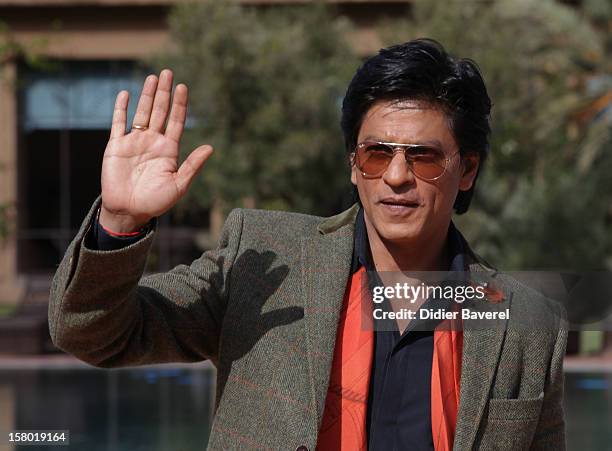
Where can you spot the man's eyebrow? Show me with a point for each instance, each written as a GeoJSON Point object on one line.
{"type": "Point", "coordinates": [426, 142]}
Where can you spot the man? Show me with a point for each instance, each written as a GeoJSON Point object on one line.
{"type": "Point", "coordinates": [272, 305]}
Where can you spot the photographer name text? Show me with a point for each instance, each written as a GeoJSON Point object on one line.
{"type": "Point", "coordinates": [440, 314]}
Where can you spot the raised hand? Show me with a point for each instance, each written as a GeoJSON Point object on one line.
{"type": "Point", "coordinates": [141, 178]}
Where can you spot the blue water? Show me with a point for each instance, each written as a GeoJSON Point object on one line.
{"type": "Point", "coordinates": [588, 411]}
{"type": "Point", "coordinates": [170, 409]}
{"type": "Point", "coordinates": [117, 410]}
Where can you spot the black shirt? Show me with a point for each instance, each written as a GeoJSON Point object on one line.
{"type": "Point", "coordinates": [399, 401]}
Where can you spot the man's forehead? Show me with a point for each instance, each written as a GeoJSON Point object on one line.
{"type": "Point", "coordinates": [395, 105]}
{"type": "Point", "coordinates": [393, 121]}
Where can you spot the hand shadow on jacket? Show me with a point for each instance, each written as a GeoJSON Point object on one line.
{"type": "Point", "coordinates": [254, 281]}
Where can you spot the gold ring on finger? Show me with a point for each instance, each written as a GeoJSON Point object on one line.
{"type": "Point", "coordinates": [140, 127]}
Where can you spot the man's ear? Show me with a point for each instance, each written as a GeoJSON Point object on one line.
{"type": "Point", "coordinates": [469, 168]}
{"type": "Point", "coordinates": [353, 168]}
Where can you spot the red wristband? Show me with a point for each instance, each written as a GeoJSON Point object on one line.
{"type": "Point", "coordinates": [110, 232]}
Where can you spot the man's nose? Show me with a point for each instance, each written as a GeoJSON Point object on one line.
{"type": "Point", "coordinates": [398, 173]}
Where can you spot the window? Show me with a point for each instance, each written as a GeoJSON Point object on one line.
{"type": "Point", "coordinates": [65, 115]}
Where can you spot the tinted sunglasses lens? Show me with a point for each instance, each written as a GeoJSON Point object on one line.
{"type": "Point", "coordinates": [427, 163]}
{"type": "Point", "coordinates": [374, 158]}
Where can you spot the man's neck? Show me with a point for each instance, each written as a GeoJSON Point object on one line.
{"type": "Point", "coordinates": [430, 254]}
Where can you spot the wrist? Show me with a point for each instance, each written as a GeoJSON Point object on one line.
{"type": "Point", "coordinates": [120, 224]}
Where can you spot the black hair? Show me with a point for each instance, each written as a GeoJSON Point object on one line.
{"type": "Point", "coordinates": [422, 70]}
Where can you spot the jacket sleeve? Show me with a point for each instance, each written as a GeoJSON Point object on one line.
{"type": "Point", "coordinates": [105, 313]}
{"type": "Point", "coordinates": [550, 432]}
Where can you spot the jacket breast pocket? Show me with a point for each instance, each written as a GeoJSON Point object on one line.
{"type": "Point", "coordinates": [510, 424]}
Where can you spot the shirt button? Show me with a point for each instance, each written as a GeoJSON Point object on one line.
{"type": "Point", "coordinates": [301, 448]}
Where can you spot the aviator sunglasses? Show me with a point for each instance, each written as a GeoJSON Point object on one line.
{"type": "Point", "coordinates": [426, 162]}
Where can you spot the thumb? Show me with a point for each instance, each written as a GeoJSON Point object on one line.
{"type": "Point", "coordinates": [190, 167]}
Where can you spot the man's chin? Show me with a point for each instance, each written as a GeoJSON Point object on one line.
{"type": "Point", "coordinates": [396, 230]}
{"type": "Point", "coordinates": [398, 234]}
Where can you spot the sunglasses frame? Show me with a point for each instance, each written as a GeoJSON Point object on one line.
{"type": "Point", "coordinates": [397, 147]}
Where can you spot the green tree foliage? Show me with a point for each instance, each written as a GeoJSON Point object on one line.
{"type": "Point", "coordinates": [544, 199]}
{"type": "Point", "coordinates": [265, 88]}
{"type": "Point", "coordinates": [265, 91]}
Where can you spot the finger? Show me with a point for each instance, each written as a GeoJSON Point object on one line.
{"type": "Point", "coordinates": [145, 103]}
{"type": "Point", "coordinates": [191, 166]}
{"type": "Point", "coordinates": [161, 104]}
{"type": "Point", "coordinates": [178, 113]}
{"type": "Point", "coordinates": [120, 115]}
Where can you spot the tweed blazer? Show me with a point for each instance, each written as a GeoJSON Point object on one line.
{"type": "Point", "coordinates": [264, 307]}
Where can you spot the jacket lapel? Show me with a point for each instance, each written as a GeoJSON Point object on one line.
{"type": "Point", "coordinates": [326, 269]}
{"type": "Point", "coordinates": [325, 272]}
{"type": "Point", "coordinates": [482, 346]}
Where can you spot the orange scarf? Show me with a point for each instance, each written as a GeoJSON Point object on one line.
{"type": "Point", "coordinates": [445, 383]}
{"type": "Point", "coordinates": [344, 419]}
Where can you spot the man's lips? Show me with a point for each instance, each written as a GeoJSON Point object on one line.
{"type": "Point", "coordinates": [399, 202]}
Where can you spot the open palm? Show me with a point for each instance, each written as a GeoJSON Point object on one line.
{"type": "Point", "coordinates": [141, 177]}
